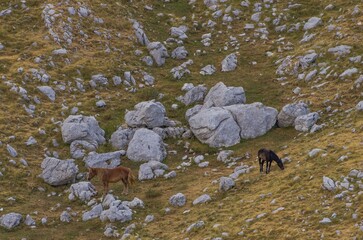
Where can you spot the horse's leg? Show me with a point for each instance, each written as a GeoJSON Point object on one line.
{"type": "Point", "coordinates": [261, 164]}
{"type": "Point", "coordinates": [267, 164]}
{"type": "Point", "coordinates": [105, 188]}
{"type": "Point", "coordinates": [124, 183]}
{"type": "Point", "coordinates": [126, 187]}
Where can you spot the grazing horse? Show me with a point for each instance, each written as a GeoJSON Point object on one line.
{"type": "Point", "coordinates": [113, 175]}
{"type": "Point", "coordinates": [265, 155]}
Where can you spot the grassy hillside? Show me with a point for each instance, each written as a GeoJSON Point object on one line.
{"type": "Point", "coordinates": [28, 45]}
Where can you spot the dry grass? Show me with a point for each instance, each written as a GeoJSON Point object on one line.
{"type": "Point", "coordinates": [299, 219]}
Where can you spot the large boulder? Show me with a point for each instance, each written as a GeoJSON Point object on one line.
{"type": "Point", "coordinates": [215, 127]}
{"type": "Point", "coordinates": [220, 95]}
{"type": "Point", "coordinates": [148, 114]}
{"type": "Point", "coordinates": [104, 160]}
{"type": "Point", "coordinates": [193, 111]}
{"type": "Point", "coordinates": [253, 119]}
{"type": "Point", "coordinates": [146, 145]}
{"type": "Point", "coordinates": [152, 170]}
{"type": "Point", "coordinates": [158, 51]}
{"type": "Point", "coordinates": [290, 112]}
{"type": "Point", "coordinates": [225, 126]}
{"type": "Point", "coordinates": [82, 190]}
{"type": "Point", "coordinates": [193, 95]}
{"type": "Point", "coordinates": [59, 172]}
{"type": "Point", "coordinates": [10, 220]}
{"type": "Point", "coordinates": [121, 138]}
{"type": "Point", "coordinates": [305, 122]}
{"type": "Point", "coordinates": [78, 127]}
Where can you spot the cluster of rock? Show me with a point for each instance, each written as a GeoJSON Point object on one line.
{"type": "Point", "coordinates": [113, 210]}
{"type": "Point", "coordinates": [348, 190]}
{"type": "Point", "coordinates": [347, 184]}
{"type": "Point", "coordinates": [224, 118]}
{"type": "Point", "coordinates": [152, 169]}
{"type": "Point", "coordinates": [299, 116]}
{"type": "Point", "coordinates": [64, 32]}
{"type": "Point", "coordinates": [142, 140]}
{"type": "Point", "coordinates": [148, 125]}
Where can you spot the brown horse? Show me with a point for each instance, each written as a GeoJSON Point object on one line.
{"type": "Point", "coordinates": [112, 175]}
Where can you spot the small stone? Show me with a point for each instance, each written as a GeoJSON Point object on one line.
{"type": "Point", "coordinates": [202, 199]}
{"type": "Point", "coordinates": [65, 217]}
{"type": "Point", "coordinates": [171, 174]}
{"type": "Point", "coordinates": [198, 159]}
{"type": "Point", "coordinates": [312, 23]}
{"type": "Point", "coordinates": [29, 221]}
{"type": "Point", "coordinates": [328, 184]}
{"type": "Point", "coordinates": [101, 104]}
{"type": "Point", "coordinates": [359, 106]}
{"type": "Point", "coordinates": [194, 226]}
{"type": "Point", "coordinates": [31, 141]}
{"type": "Point", "coordinates": [149, 218]}
{"type": "Point", "coordinates": [226, 183]}
{"type": "Point", "coordinates": [314, 152]}
{"type": "Point", "coordinates": [11, 150]}
{"type": "Point", "coordinates": [178, 200]}
{"type": "Point", "coordinates": [325, 221]}
{"type": "Point", "coordinates": [297, 90]}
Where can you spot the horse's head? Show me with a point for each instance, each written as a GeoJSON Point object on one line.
{"type": "Point", "coordinates": [280, 164]}
{"type": "Point", "coordinates": [91, 173]}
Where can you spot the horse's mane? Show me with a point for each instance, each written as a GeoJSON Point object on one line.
{"type": "Point", "coordinates": [274, 157]}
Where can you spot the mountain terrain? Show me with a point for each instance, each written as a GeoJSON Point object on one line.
{"type": "Point", "coordinates": [184, 93]}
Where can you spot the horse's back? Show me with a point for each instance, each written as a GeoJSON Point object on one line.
{"type": "Point", "coordinates": [263, 154]}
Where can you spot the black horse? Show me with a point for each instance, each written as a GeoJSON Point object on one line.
{"type": "Point", "coordinates": [265, 155]}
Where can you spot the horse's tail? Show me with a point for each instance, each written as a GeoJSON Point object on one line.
{"type": "Point", "coordinates": [130, 177]}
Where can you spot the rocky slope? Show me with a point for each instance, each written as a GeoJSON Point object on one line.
{"type": "Point", "coordinates": [184, 93]}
